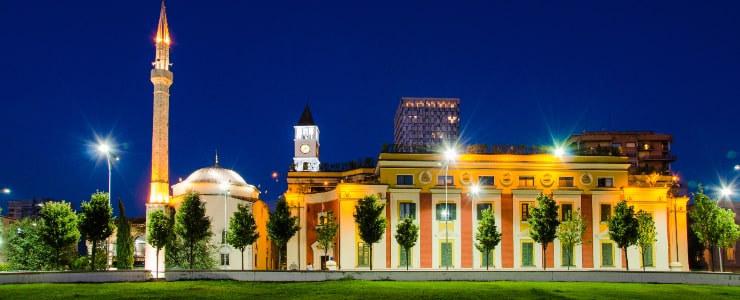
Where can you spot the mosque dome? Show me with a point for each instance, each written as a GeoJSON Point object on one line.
{"type": "Point", "coordinates": [216, 174]}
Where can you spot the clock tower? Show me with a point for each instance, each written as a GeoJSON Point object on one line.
{"type": "Point", "coordinates": [306, 143]}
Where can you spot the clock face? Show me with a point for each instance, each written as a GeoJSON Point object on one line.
{"type": "Point", "coordinates": [305, 148]}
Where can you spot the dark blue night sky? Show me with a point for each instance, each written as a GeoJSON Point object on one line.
{"type": "Point", "coordinates": [527, 72]}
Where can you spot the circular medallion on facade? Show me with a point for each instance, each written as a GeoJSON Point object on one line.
{"type": "Point", "coordinates": [586, 179]}
{"type": "Point", "coordinates": [506, 179]}
{"type": "Point", "coordinates": [546, 179]}
{"type": "Point", "coordinates": [425, 177]}
{"type": "Point", "coordinates": [466, 178]}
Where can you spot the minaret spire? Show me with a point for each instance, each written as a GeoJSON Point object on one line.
{"type": "Point", "coordinates": [161, 77]}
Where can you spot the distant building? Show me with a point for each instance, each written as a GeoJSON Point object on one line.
{"type": "Point", "coordinates": [19, 209]}
{"type": "Point", "coordinates": [700, 258]}
{"type": "Point", "coordinates": [647, 152]}
{"type": "Point", "coordinates": [421, 124]}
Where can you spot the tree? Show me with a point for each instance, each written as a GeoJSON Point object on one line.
{"type": "Point", "coordinates": [645, 233]}
{"type": "Point", "coordinates": [406, 235]}
{"type": "Point", "coordinates": [704, 217]}
{"type": "Point", "coordinates": [193, 226]}
{"type": "Point", "coordinates": [571, 232]}
{"type": "Point", "coordinates": [96, 222]}
{"type": "Point", "coordinates": [728, 232]}
{"type": "Point", "coordinates": [124, 241]}
{"type": "Point", "coordinates": [543, 223]}
{"type": "Point", "coordinates": [58, 229]}
{"type": "Point", "coordinates": [370, 222]}
{"type": "Point", "coordinates": [242, 230]}
{"type": "Point", "coordinates": [160, 232]}
{"type": "Point", "coordinates": [623, 228]}
{"type": "Point", "coordinates": [326, 231]}
{"type": "Point", "coordinates": [281, 227]}
{"type": "Point", "coordinates": [488, 236]}
{"type": "Point", "coordinates": [23, 248]}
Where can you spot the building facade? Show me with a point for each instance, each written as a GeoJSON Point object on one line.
{"type": "Point", "coordinates": [30, 208]}
{"type": "Point", "coordinates": [422, 123]}
{"type": "Point", "coordinates": [646, 151]}
{"type": "Point", "coordinates": [442, 202]}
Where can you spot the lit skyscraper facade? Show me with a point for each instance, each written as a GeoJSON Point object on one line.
{"type": "Point", "coordinates": [423, 123]}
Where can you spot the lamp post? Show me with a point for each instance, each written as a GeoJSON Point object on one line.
{"type": "Point", "coordinates": [449, 155]}
{"type": "Point", "coordinates": [224, 249]}
{"type": "Point", "coordinates": [105, 149]}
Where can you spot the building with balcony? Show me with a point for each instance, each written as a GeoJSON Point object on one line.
{"type": "Point", "coordinates": [646, 151]}
{"type": "Point", "coordinates": [421, 124]}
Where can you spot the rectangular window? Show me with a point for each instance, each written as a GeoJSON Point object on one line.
{"type": "Point", "coordinates": [363, 254]}
{"type": "Point", "coordinates": [648, 256]}
{"type": "Point", "coordinates": [527, 254]}
{"type": "Point", "coordinates": [606, 182]}
{"type": "Point", "coordinates": [567, 256]}
{"type": "Point", "coordinates": [526, 181]}
{"type": "Point", "coordinates": [606, 212]}
{"type": "Point", "coordinates": [405, 179]}
{"type": "Point", "coordinates": [441, 180]}
{"type": "Point", "coordinates": [402, 257]}
{"type": "Point", "coordinates": [525, 210]}
{"type": "Point", "coordinates": [565, 181]}
{"type": "Point", "coordinates": [224, 259]}
{"type": "Point", "coordinates": [607, 254]}
{"type": "Point", "coordinates": [486, 261]}
{"type": "Point", "coordinates": [616, 145]}
{"type": "Point", "coordinates": [630, 145]}
{"type": "Point", "coordinates": [406, 210]}
{"type": "Point", "coordinates": [565, 210]}
{"type": "Point", "coordinates": [446, 255]}
{"type": "Point", "coordinates": [481, 207]}
{"type": "Point", "coordinates": [730, 253]}
{"type": "Point", "coordinates": [446, 212]}
{"type": "Point", "coordinates": [485, 180]}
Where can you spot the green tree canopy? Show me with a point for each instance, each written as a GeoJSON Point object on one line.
{"type": "Point", "coordinates": [571, 232]}
{"type": "Point", "coordinates": [326, 231]}
{"type": "Point", "coordinates": [124, 240]}
{"type": "Point", "coordinates": [728, 232]}
{"type": "Point", "coordinates": [370, 222]}
{"type": "Point", "coordinates": [58, 229]}
{"type": "Point", "coordinates": [159, 232]}
{"type": "Point", "coordinates": [488, 236]}
{"type": "Point", "coordinates": [281, 227]}
{"type": "Point", "coordinates": [645, 233]}
{"type": "Point", "coordinates": [406, 235]}
{"type": "Point", "coordinates": [543, 223]}
{"type": "Point", "coordinates": [623, 227]}
{"type": "Point", "coordinates": [23, 248]}
{"type": "Point", "coordinates": [705, 221]}
{"type": "Point", "coordinates": [242, 230]}
{"type": "Point", "coordinates": [96, 221]}
{"type": "Point", "coordinates": [193, 226]}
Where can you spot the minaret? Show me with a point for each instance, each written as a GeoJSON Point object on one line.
{"type": "Point", "coordinates": [162, 79]}
{"type": "Point", "coordinates": [159, 193]}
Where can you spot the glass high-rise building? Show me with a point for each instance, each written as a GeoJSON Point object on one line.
{"type": "Point", "coordinates": [421, 124]}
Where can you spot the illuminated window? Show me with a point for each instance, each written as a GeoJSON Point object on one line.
{"type": "Point", "coordinates": [630, 145]}
{"type": "Point", "coordinates": [485, 180]}
{"type": "Point", "coordinates": [526, 181]}
{"type": "Point", "coordinates": [441, 180]}
{"type": "Point", "coordinates": [607, 254]}
{"type": "Point", "coordinates": [606, 212]}
{"type": "Point", "coordinates": [404, 179]}
{"type": "Point", "coordinates": [565, 182]}
{"type": "Point", "coordinates": [606, 182]}
{"type": "Point", "coordinates": [525, 210]}
{"type": "Point", "coordinates": [406, 210]}
{"type": "Point", "coordinates": [730, 253]}
{"type": "Point", "coordinates": [481, 207]}
{"type": "Point", "coordinates": [448, 214]}
{"type": "Point", "coordinates": [565, 210]}
{"type": "Point", "coordinates": [527, 254]}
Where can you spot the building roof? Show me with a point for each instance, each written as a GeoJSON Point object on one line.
{"type": "Point", "coordinates": [306, 118]}
{"type": "Point", "coordinates": [216, 174]}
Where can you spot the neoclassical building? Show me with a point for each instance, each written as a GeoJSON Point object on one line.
{"type": "Point", "coordinates": [439, 193]}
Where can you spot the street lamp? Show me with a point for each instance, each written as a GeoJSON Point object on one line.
{"type": "Point", "coordinates": [105, 149]}
{"type": "Point", "coordinates": [449, 156]}
{"type": "Point", "coordinates": [224, 249]}
{"type": "Point", "coordinates": [5, 191]}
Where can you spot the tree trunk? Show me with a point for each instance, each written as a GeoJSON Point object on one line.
{"type": "Point", "coordinates": [242, 259]}
{"type": "Point", "coordinates": [544, 256]}
{"type": "Point", "coordinates": [371, 257]}
{"type": "Point", "coordinates": [626, 258]}
{"type": "Point", "coordinates": [719, 252]}
{"type": "Point", "coordinates": [156, 275]}
{"type": "Point", "coordinates": [95, 246]}
{"type": "Point", "coordinates": [570, 256]}
{"type": "Point", "coordinates": [488, 252]}
{"type": "Point", "coordinates": [711, 254]}
{"type": "Point", "coordinates": [407, 259]}
{"type": "Point", "coordinates": [642, 258]}
{"type": "Point", "coordinates": [280, 257]}
{"type": "Point", "coordinates": [191, 256]}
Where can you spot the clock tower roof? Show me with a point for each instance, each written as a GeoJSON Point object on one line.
{"type": "Point", "coordinates": [306, 118]}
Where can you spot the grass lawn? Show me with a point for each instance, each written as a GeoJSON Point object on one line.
{"type": "Point", "coordinates": [358, 289]}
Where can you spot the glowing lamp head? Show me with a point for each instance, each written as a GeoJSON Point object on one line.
{"type": "Point", "coordinates": [5, 191]}
{"type": "Point", "coordinates": [475, 189]}
{"type": "Point", "coordinates": [559, 152]}
{"type": "Point", "coordinates": [104, 148]}
{"type": "Point", "coordinates": [224, 186]}
{"type": "Point", "coordinates": [450, 154]}
{"type": "Point", "coordinates": [726, 192]}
